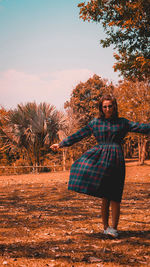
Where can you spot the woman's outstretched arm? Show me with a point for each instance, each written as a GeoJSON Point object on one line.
{"type": "Point", "coordinates": [137, 127]}
{"type": "Point", "coordinates": [74, 138]}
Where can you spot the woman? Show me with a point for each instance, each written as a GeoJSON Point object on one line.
{"type": "Point", "coordinates": [100, 171]}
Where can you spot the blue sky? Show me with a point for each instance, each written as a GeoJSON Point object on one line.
{"type": "Point", "coordinates": [46, 50]}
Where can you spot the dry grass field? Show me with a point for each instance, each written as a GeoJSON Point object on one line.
{"type": "Point", "coordinates": [43, 224]}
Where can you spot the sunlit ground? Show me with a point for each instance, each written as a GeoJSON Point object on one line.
{"type": "Point", "coordinates": [44, 224]}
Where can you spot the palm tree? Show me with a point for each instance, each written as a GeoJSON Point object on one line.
{"type": "Point", "coordinates": [5, 156]}
{"type": "Point", "coordinates": [31, 128]}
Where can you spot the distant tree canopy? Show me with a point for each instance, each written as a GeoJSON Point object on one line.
{"type": "Point", "coordinates": [127, 27]}
{"type": "Point", "coordinates": [85, 98]}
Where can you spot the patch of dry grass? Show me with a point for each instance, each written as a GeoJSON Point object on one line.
{"type": "Point", "coordinates": [44, 224]}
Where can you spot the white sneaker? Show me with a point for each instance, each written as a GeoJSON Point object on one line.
{"type": "Point", "coordinates": [111, 231]}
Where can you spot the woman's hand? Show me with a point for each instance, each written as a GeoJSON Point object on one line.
{"type": "Point", "coordinates": [55, 147]}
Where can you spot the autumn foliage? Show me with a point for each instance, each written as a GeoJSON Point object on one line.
{"type": "Point", "coordinates": [127, 27]}
{"type": "Point", "coordinates": [134, 104]}
{"type": "Point", "coordinates": [27, 132]}
{"type": "Point", "coordinates": [85, 98]}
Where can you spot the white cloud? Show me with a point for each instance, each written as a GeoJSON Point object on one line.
{"type": "Point", "coordinates": [55, 87]}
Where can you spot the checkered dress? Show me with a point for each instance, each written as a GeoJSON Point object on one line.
{"type": "Point", "coordinates": [100, 171]}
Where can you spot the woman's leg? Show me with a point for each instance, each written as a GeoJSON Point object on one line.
{"type": "Point", "coordinates": [105, 212]}
{"type": "Point", "coordinates": [115, 207]}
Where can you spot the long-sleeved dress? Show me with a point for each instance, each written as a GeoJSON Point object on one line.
{"type": "Point", "coordinates": [100, 171]}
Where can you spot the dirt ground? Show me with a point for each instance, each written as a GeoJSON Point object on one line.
{"type": "Point", "coordinates": [43, 224]}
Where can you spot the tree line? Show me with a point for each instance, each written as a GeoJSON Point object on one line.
{"type": "Point", "coordinates": [27, 131]}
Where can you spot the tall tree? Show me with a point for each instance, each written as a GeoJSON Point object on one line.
{"type": "Point", "coordinates": [85, 98]}
{"type": "Point", "coordinates": [84, 103]}
{"type": "Point", "coordinates": [31, 128]}
{"type": "Point", "coordinates": [134, 104]}
{"type": "Point", "coordinates": [127, 27]}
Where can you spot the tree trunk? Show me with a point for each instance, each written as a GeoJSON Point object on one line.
{"type": "Point", "coordinates": [72, 160]}
{"type": "Point", "coordinates": [142, 149]}
{"type": "Point", "coordinates": [127, 149]}
{"type": "Point", "coordinates": [139, 148]}
{"type": "Point", "coordinates": [64, 159]}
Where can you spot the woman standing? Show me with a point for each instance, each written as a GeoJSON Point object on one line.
{"type": "Point", "coordinates": [100, 171]}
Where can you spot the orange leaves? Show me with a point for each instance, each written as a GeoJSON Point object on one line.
{"type": "Point", "coordinates": [81, 5]}
{"type": "Point", "coordinates": [117, 57]}
{"type": "Point", "coordinates": [142, 60]}
{"type": "Point", "coordinates": [89, 11]}
{"type": "Point", "coordinates": [142, 63]}
{"type": "Point", "coordinates": [85, 97]}
{"type": "Point", "coordinates": [118, 64]}
{"type": "Point", "coordinates": [133, 96]}
{"type": "Point", "coordinates": [126, 24]}
{"type": "Point", "coordinates": [112, 23]}
{"type": "Point", "coordinates": [133, 5]}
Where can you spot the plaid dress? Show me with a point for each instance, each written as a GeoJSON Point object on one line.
{"type": "Point", "coordinates": [100, 171]}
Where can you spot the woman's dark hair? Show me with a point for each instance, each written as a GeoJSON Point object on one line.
{"type": "Point", "coordinates": [114, 102]}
